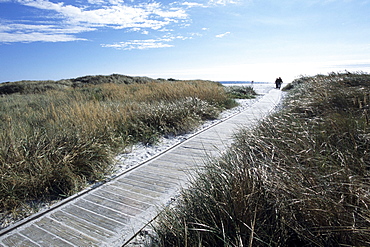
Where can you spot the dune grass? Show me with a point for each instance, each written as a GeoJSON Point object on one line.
{"type": "Point", "coordinates": [240, 92]}
{"type": "Point", "coordinates": [300, 178]}
{"type": "Point", "coordinates": [53, 142]}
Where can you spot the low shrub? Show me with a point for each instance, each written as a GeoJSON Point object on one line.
{"type": "Point", "coordinates": [241, 92]}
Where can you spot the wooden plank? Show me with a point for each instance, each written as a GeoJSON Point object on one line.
{"type": "Point", "coordinates": [103, 211]}
{"type": "Point", "coordinates": [188, 154]}
{"type": "Point", "coordinates": [94, 218]}
{"type": "Point", "coordinates": [170, 168]}
{"type": "Point", "coordinates": [143, 185]}
{"type": "Point", "coordinates": [123, 199]}
{"type": "Point", "coordinates": [202, 147]}
{"type": "Point", "coordinates": [187, 169]}
{"type": "Point", "coordinates": [141, 197]}
{"type": "Point", "coordinates": [131, 188]}
{"type": "Point", "coordinates": [191, 163]}
{"type": "Point", "coordinates": [162, 176]}
{"type": "Point", "coordinates": [69, 234]}
{"type": "Point", "coordinates": [201, 153]}
{"type": "Point", "coordinates": [84, 226]}
{"type": "Point", "coordinates": [126, 209]}
{"type": "Point", "coordinates": [181, 159]}
{"type": "Point", "coordinates": [204, 144]}
{"type": "Point", "coordinates": [18, 240]}
{"type": "Point", "coordinates": [206, 137]}
{"type": "Point", "coordinates": [43, 237]}
{"type": "Point", "coordinates": [155, 182]}
{"type": "Point", "coordinates": [169, 165]}
{"type": "Point", "coordinates": [178, 175]}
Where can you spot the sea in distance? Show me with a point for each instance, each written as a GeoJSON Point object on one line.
{"type": "Point", "coordinates": [241, 82]}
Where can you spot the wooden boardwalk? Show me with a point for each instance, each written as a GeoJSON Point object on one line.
{"type": "Point", "coordinates": [111, 214]}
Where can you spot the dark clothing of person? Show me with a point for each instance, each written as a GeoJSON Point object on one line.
{"type": "Point", "coordinates": [278, 82]}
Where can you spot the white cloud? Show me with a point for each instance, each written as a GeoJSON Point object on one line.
{"type": "Point", "coordinates": [36, 36]}
{"type": "Point", "coordinates": [211, 3]}
{"type": "Point", "coordinates": [163, 42]}
{"type": "Point", "coordinates": [28, 28]}
{"type": "Point", "coordinates": [193, 4]}
{"type": "Point", "coordinates": [223, 2]}
{"type": "Point", "coordinates": [222, 35]}
{"type": "Point", "coordinates": [64, 20]}
{"type": "Point", "coordinates": [117, 15]}
{"type": "Point", "coordinates": [140, 44]}
{"type": "Point", "coordinates": [95, 1]}
{"type": "Point", "coordinates": [33, 33]}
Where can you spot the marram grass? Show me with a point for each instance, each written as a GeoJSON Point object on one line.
{"type": "Point", "coordinates": [300, 178]}
{"type": "Point", "coordinates": [55, 141]}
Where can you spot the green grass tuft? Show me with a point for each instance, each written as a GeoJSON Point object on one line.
{"type": "Point", "coordinates": [241, 92]}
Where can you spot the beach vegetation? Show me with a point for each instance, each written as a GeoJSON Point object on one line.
{"type": "Point", "coordinates": [58, 137]}
{"type": "Point", "coordinates": [241, 92]}
{"type": "Point", "coordinates": [299, 178]}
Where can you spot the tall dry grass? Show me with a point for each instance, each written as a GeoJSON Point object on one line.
{"type": "Point", "coordinates": [54, 142]}
{"type": "Point", "coordinates": [300, 178]}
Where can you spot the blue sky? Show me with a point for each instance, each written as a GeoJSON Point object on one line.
{"type": "Point", "coordinates": [184, 39]}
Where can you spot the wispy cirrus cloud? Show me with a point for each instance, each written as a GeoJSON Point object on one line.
{"type": "Point", "coordinates": [222, 35]}
{"type": "Point", "coordinates": [192, 4]}
{"type": "Point", "coordinates": [116, 14]}
{"type": "Point", "coordinates": [36, 36]}
{"type": "Point", "coordinates": [224, 2]}
{"type": "Point", "coordinates": [139, 44]}
{"type": "Point", "coordinates": [32, 33]}
{"type": "Point", "coordinates": [211, 3]}
{"type": "Point", "coordinates": [62, 22]}
{"type": "Point", "coordinates": [164, 42]}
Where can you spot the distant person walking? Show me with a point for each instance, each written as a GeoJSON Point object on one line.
{"type": "Point", "coordinates": [278, 82]}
